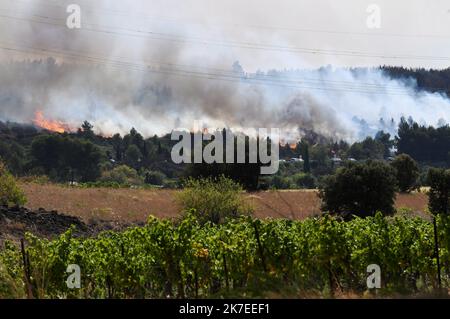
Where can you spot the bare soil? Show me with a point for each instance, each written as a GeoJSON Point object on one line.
{"type": "Point", "coordinates": [16, 221]}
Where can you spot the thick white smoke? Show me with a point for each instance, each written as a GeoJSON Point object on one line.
{"type": "Point", "coordinates": [118, 73]}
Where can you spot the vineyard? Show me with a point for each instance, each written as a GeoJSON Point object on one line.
{"type": "Point", "coordinates": [244, 257]}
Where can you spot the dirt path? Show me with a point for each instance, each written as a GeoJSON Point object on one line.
{"type": "Point", "coordinates": [133, 205]}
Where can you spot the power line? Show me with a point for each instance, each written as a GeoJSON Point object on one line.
{"type": "Point", "coordinates": [243, 45]}
{"type": "Point", "coordinates": [134, 66]}
{"type": "Point", "coordinates": [321, 81]}
{"type": "Point", "coordinates": [177, 20]}
{"type": "Point", "coordinates": [186, 73]}
{"type": "Point", "coordinates": [286, 78]}
{"type": "Point", "coordinates": [259, 78]}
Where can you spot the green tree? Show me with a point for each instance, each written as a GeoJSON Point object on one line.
{"type": "Point", "coordinates": [133, 156]}
{"type": "Point", "coordinates": [439, 194]}
{"type": "Point", "coordinates": [46, 152]}
{"type": "Point", "coordinates": [85, 160]}
{"type": "Point", "coordinates": [13, 155]}
{"type": "Point", "coordinates": [407, 172]}
{"type": "Point", "coordinates": [305, 155]}
{"type": "Point", "coordinates": [10, 193]}
{"type": "Point", "coordinates": [434, 142]}
{"type": "Point", "coordinates": [64, 158]}
{"type": "Point", "coordinates": [360, 189]}
{"type": "Point", "coordinates": [246, 174]}
{"type": "Point", "coordinates": [320, 156]}
{"type": "Point", "coordinates": [117, 144]}
{"type": "Point", "coordinates": [367, 149]}
{"type": "Point", "coordinates": [386, 141]}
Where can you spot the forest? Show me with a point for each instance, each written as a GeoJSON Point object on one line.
{"type": "Point", "coordinates": [85, 157]}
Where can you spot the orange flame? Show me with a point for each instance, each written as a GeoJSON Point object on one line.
{"type": "Point", "coordinates": [54, 126]}
{"type": "Point", "coordinates": [292, 145]}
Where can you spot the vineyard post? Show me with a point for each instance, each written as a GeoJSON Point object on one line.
{"type": "Point", "coordinates": [196, 282]}
{"type": "Point", "coordinates": [225, 269]}
{"type": "Point", "coordinates": [108, 286]}
{"type": "Point", "coordinates": [436, 251]}
{"type": "Point", "coordinates": [26, 269]}
{"type": "Point", "coordinates": [260, 248]}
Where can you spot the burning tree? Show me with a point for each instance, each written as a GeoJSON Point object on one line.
{"type": "Point", "coordinates": [50, 125]}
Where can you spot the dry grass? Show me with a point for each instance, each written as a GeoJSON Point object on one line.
{"type": "Point", "coordinates": [417, 202]}
{"type": "Point", "coordinates": [128, 205]}
{"type": "Point", "coordinates": [285, 204]}
{"type": "Point", "coordinates": [134, 205]}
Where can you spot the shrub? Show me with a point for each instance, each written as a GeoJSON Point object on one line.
{"type": "Point", "coordinates": [303, 180]}
{"type": "Point", "coordinates": [360, 189]}
{"type": "Point", "coordinates": [169, 183]}
{"type": "Point", "coordinates": [10, 193]}
{"type": "Point", "coordinates": [407, 172]}
{"type": "Point", "coordinates": [35, 179]}
{"type": "Point", "coordinates": [122, 175]}
{"type": "Point", "coordinates": [213, 200]}
{"type": "Point", "coordinates": [279, 182]}
{"type": "Point", "coordinates": [154, 178]}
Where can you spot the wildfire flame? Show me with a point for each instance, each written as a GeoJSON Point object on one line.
{"type": "Point", "coordinates": [292, 145]}
{"type": "Point", "coordinates": [51, 125]}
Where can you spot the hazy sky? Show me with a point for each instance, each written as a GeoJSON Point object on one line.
{"type": "Point", "coordinates": [259, 33]}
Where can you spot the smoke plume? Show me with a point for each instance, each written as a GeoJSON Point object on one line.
{"type": "Point", "coordinates": [118, 73]}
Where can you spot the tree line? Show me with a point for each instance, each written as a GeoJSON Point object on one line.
{"type": "Point", "coordinates": [84, 156]}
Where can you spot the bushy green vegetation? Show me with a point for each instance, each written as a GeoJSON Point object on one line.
{"type": "Point", "coordinates": [122, 175]}
{"type": "Point", "coordinates": [154, 178]}
{"type": "Point", "coordinates": [10, 193]}
{"type": "Point", "coordinates": [65, 159]}
{"type": "Point", "coordinates": [10, 288]}
{"type": "Point", "coordinates": [360, 189]}
{"type": "Point", "coordinates": [35, 179]}
{"type": "Point", "coordinates": [407, 172]}
{"type": "Point", "coordinates": [213, 200]}
{"type": "Point", "coordinates": [289, 176]}
{"type": "Point", "coordinates": [242, 257]}
{"type": "Point", "coordinates": [439, 194]}
{"type": "Point", "coordinates": [424, 143]}
{"type": "Point", "coordinates": [368, 148]}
